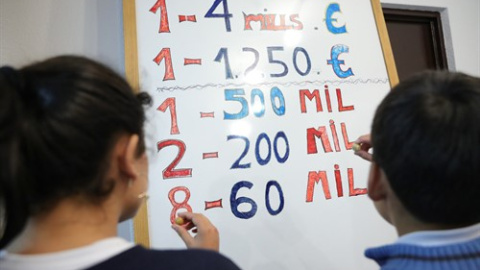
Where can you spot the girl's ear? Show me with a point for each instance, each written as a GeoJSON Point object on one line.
{"type": "Point", "coordinates": [129, 156]}
{"type": "Point", "coordinates": [377, 189]}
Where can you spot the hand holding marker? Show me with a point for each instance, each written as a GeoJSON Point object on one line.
{"type": "Point", "coordinates": [361, 147]}
{"type": "Point", "coordinates": [206, 236]}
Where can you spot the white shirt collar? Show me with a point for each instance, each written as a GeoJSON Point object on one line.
{"type": "Point", "coordinates": [440, 237]}
{"type": "Point", "coordinates": [73, 259]}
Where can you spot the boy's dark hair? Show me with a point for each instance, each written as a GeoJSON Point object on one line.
{"type": "Point", "coordinates": [58, 122]}
{"type": "Point", "coordinates": [426, 138]}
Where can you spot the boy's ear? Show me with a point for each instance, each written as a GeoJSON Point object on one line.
{"type": "Point", "coordinates": [129, 156]}
{"type": "Point", "coordinates": [377, 189]}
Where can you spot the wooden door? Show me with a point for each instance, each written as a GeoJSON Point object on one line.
{"type": "Point", "coordinates": [417, 40]}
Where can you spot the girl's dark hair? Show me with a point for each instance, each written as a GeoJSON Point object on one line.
{"type": "Point", "coordinates": [58, 122]}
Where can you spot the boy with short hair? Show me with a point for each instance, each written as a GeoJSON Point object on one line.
{"type": "Point", "coordinates": [425, 172]}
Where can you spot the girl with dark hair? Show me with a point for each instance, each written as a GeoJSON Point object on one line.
{"type": "Point", "coordinates": [73, 165]}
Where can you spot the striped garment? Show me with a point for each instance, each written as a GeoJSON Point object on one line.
{"type": "Point", "coordinates": [464, 256]}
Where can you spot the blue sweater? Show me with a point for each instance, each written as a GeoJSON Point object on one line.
{"type": "Point", "coordinates": [462, 256]}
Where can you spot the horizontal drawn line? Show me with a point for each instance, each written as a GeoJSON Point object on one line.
{"type": "Point", "coordinates": [287, 84]}
{"type": "Point", "coordinates": [213, 204]}
{"type": "Point", "coordinates": [191, 61]}
{"type": "Point", "coordinates": [210, 155]}
{"type": "Point", "coordinates": [188, 18]}
{"type": "Point", "coordinates": [207, 115]}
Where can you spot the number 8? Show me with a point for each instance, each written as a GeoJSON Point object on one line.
{"type": "Point", "coordinates": [178, 205]}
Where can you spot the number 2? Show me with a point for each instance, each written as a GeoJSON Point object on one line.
{"type": "Point", "coordinates": [236, 164]}
{"type": "Point", "coordinates": [170, 171]}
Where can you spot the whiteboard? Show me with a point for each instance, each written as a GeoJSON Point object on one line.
{"type": "Point", "coordinates": [256, 104]}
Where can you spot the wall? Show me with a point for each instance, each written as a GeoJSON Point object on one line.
{"type": "Point", "coordinates": [461, 19]}
{"type": "Point", "coordinates": [32, 30]}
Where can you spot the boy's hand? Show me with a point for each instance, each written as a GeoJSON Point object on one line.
{"type": "Point", "coordinates": [364, 144]}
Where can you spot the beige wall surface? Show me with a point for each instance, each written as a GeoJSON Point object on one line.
{"type": "Point", "coordinates": [33, 30]}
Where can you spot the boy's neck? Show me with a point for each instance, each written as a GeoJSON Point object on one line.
{"type": "Point", "coordinates": [411, 227]}
{"type": "Point", "coordinates": [405, 223]}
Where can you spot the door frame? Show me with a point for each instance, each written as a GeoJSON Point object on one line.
{"type": "Point", "coordinates": [445, 24]}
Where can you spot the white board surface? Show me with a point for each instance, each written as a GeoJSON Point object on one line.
{"type": "Point", "coordinates": [235, 113]}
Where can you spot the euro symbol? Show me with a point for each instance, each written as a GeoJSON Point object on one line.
{"type": "Point", "coordinates": [335, 62]}
{"type": "Point", "coordinates": [332, 9]}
